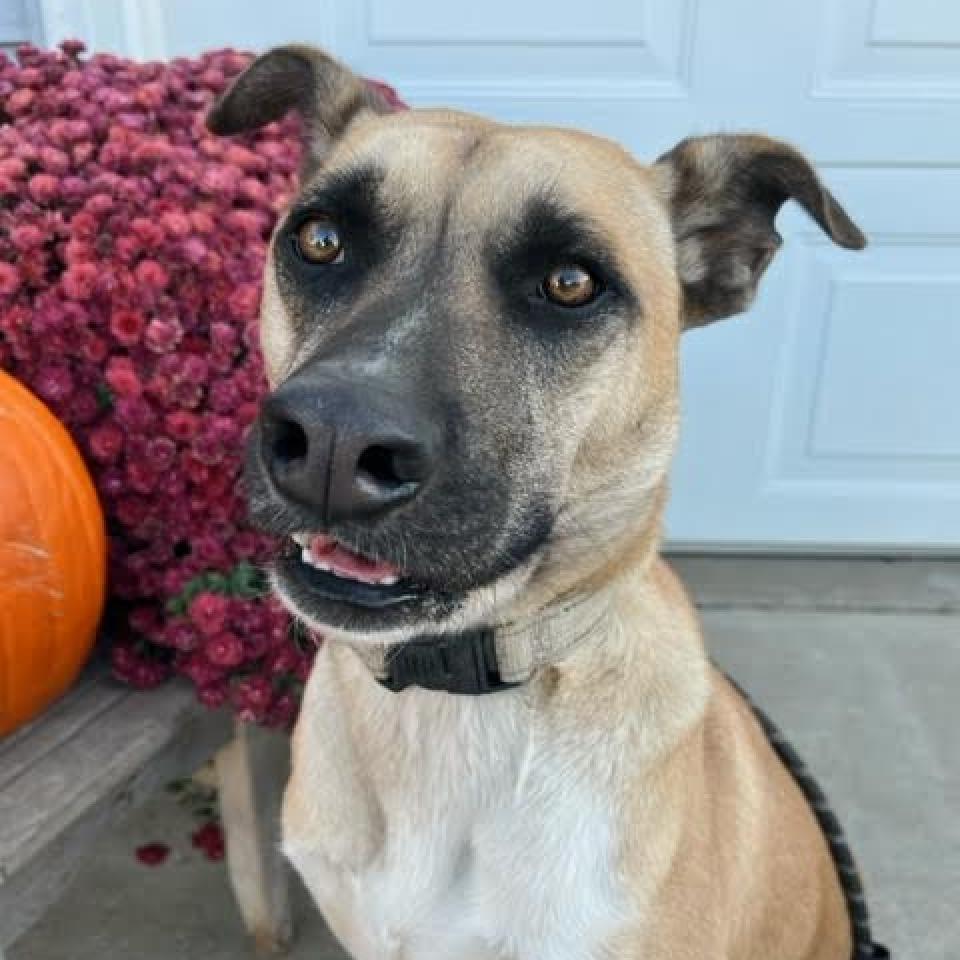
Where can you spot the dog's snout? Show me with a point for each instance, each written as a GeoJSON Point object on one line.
{"type": "Point", "coordinates": [330, 448]}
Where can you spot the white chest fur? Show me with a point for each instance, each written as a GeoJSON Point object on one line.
{"type": "Point", "coordinates": [429, 826]}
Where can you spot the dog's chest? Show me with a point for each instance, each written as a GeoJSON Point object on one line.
{"type": "Point", "coordinates": [488, 843]}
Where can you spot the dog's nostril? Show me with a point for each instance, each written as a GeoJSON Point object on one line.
{"type": "Point", "coordinates": [288, 441]}
{"type": "Point", "coordinates": [381, 467]}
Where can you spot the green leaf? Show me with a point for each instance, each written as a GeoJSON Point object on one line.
{"type": "Point", "coordinates": [104, 396]}
{"type": "Point", "coordinates": [176, 606]}
{"type": "Point", "coordinates": [244, 580]}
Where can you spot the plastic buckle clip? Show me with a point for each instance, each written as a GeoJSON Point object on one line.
{"type": "Point", "coordinates": [457, 663]}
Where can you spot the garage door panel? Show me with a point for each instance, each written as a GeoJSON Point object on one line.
{"type": "Point", "coordinates": [889, 48]}
{"type": "Point", "coordinates": [869, 385]}
{"type": "Point", "coordinates": [903, 406]}
{"type": "Point", "coordinates": [868, 392]}
{"type": "Point", "coordinates": [501, 49]}
{"type": "Point", "coordinates": [504, 23]}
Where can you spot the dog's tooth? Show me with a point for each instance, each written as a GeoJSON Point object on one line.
{"type": "Point", "coordinates": [320, 563]}
{"type": "Point", "coordinates": [311, 561]}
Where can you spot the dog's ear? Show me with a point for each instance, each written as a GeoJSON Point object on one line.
{"type": "Point", "coordinates": [724, 193]}
{"type": "Point", "coordinates": [326, 94]}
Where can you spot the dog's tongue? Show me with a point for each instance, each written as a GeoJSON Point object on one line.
{"type": "Point", "coordinates": [325, 551]}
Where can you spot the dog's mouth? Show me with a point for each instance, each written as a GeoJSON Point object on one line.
{"type": "Point", "coordinates": [330, 580]}
{"type": "Point", "coordinates": [328, 569]}
{"type": "Point", "coordinates": [325, 553]}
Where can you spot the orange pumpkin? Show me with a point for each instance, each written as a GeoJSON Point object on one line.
{"type": "Point", "coordinates": [53, 557]}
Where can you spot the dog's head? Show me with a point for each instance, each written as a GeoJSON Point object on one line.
{"type": "Point", "coordinates": [471, 332]}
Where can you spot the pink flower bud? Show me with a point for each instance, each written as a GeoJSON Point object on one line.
{"type": "Point", "coordinates": [9, 279]}
{"type": "Point", "coordinates": [54, 161]}
{"type": "Point", "coordinates": [27, 237]}
{"type": "Point", "coordinates": [80, 280]}
{"type": "Point", "coordinates": [126, 326]}
{"type": "Point", "coordinates": [122, 377]}
{"type": "Point", "coordinates": [152, 275]}
{"type": "Point", "coordinates": [208, 612]}
{"type": "Point", "coordinates": [20, 102]}
{"type": "Point", "coordinates": [43, 187]}
{"type": "Point", "coordinates": [175, 223]}
{"type": "Point", "coordinates": [163, 334]}
{"type": "Point", "coordinates": [224, 649]}
{"type": "Point", "coordinates": [245, 300]}
{"type": "Point", "coordinates": [53, 383]}
{"type": "Point", "coordinates": [13, 167]}
{"type": "Point", "coordinates": [106, 443]}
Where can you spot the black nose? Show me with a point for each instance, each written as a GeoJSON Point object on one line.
{"type": "Point", "coordinates": [346, 450]}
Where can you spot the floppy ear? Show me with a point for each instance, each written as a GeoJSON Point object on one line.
{"type": "Point", "coordinates": [724, 193]}
{"type": "Point", "coordinates": [325, 93]}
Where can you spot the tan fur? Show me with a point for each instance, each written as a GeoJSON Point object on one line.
{"type": "Point", "coordinates": [746, 871]}
{"type": "Point", "coordinates": [719, 852]}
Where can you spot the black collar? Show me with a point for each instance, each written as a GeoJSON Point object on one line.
{"type": "Point", "coordinates": [487, 659]}
{"type": "Point", "coordinates": [455, 662]}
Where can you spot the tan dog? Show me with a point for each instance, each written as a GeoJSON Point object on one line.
{"type": "Point", "coordinates": [472, 334]}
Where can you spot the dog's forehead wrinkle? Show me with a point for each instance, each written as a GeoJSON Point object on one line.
{"type": "Point", "coordinates": [347, 176]}
{"type": "Point", "coordinates": [420, 156]}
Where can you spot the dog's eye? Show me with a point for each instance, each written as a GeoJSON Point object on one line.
{"type": "Point", "coordinates": [318, 241]}
{"type": "Point", "coordinates": [570, 285]}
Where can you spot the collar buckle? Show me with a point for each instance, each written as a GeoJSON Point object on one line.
{"type": "Point", "coordinates": [463, 663]}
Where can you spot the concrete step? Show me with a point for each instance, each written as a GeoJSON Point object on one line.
{"type": "Point", "coordinates": [902, 585]}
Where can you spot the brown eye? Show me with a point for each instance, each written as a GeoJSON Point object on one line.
{"type": "Point", "coordinates": [318, 241]}
{"type": "Point", "coordinates": [570, 285]}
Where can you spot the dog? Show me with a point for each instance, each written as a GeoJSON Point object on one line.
{"type": "Point", "coordinates": [512, 743]}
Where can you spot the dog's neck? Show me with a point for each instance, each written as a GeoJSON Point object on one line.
{"type": "Point", "coordinates": [491, 658]}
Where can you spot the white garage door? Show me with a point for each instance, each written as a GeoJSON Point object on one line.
{"type": "Point", "coordinates": [830, 416]}
{"type": "Point", "coordinates": [17, 24]}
